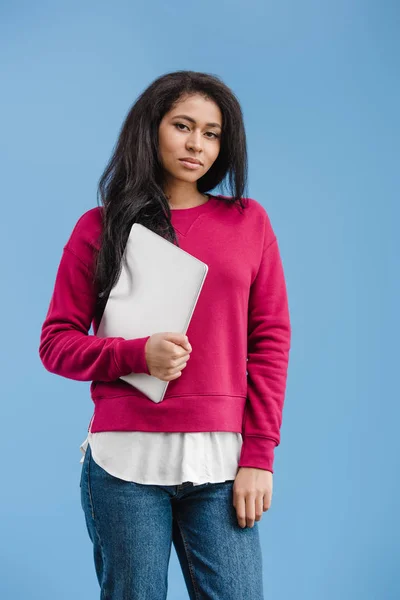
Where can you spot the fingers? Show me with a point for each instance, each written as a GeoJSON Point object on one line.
{"type": "Point", "coordinates": [250, 507]}
{"type": "Point", "coordinates": [240, 506]}
{"type": "Point", "coordinates": [179, 365]}
{"type": "Point", "coordinates": [259, 507]}
{"type": "Point", "coordinates": [176, 371]}
{"type": "Point", "coordinates": [172, 376]}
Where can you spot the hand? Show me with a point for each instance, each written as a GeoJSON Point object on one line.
{"type": "Point", "coordinates": [252, 494]}
{"type": "Point", "coordinates": [167, 354]}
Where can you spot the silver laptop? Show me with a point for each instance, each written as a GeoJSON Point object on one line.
{"type": "Point", "coordinates": [157, 291]}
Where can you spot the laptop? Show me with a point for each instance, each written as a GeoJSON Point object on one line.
{"type": "Point", "coordinates": [157, 290]}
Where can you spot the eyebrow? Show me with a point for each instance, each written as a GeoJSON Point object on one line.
{"type": "Point", "coordinates": [194, 121]}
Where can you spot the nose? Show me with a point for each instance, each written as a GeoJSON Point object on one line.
{"type": "Point", "coordinates": [194, 141]}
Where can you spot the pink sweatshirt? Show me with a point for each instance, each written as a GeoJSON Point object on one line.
{"type": "Point", "coordinates": [240, 334]}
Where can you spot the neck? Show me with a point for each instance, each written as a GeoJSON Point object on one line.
{"type": "Point", "coordinates": [202, 199]}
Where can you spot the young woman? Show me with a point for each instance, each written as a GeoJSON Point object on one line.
{"type": "Point", "coordinates": [194, 470]}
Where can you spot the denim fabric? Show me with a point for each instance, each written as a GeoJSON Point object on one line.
{"type": "Point", "coordinates": [132, 527]}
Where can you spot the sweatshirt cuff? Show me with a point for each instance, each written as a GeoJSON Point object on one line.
{"type": "Point", "coordinates": [130, 356]}
{"type": "Point", "coordinates": [257, 452]}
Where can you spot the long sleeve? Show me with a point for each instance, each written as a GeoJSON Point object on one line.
{"type": "Point", "coordinates": [269, 336]}
{"type": "Point", "coordinates": [66, 348]}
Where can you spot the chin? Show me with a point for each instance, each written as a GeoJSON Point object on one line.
{"type": "Point", "coordinates": [188, 177]}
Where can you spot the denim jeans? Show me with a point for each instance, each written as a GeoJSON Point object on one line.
{"type": "Point", "coordinates": [133, 525]}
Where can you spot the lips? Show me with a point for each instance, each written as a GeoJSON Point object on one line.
{"type": "Point", "coordinates": [192, 166]}
{"type": "Point", "coordinates": [191, 160]}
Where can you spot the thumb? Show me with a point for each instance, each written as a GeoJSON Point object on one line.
{"type": "Point", "coordinates": [178, 338]}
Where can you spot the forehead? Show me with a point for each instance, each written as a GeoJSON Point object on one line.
{"type": "Point", "coordinates": [198, 110]}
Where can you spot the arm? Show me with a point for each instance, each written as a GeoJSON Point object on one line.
{"type": "Point", "coordinates": [65, 348]}
{"type": "Point", "coordinates": [269, 334]}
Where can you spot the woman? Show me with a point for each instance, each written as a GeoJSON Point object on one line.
{"type": "Point", "coordinates": [194, 470]}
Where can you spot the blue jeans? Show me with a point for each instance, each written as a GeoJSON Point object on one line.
{"type": "Point", "coordinates": [133, 525]}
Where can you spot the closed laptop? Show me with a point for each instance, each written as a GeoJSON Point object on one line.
{"type": "Point", "coordinates": [157, 291]}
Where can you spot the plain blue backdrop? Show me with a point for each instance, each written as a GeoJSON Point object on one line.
{"type": "Point", "coordinates": [318, 83]}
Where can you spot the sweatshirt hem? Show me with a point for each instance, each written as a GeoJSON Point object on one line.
{"type": "Point", "coordinates": [210, 412]}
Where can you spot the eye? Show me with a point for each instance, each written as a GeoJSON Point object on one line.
{"type": "Point", "coordinates": [177, 124]}
{"type": "Point", "coordinates": [183, 124]}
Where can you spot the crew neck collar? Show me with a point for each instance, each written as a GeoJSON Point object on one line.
{"type": "Point", "coordinates": [195, 209]}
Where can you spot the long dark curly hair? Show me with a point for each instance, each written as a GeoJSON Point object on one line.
{"type": "Point", "coordinates": [130, 188]}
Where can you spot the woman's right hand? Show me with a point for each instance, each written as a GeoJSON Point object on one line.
{"type": "Point", "coordinates": [167, 354]}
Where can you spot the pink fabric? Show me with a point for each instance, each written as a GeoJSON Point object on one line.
{"type": "Point", "coordinates": [240, 334]}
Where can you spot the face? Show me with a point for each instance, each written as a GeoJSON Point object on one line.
{"type": "Point", "coordinates": [191, 129]}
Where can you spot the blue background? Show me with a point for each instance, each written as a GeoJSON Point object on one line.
{"type": "Point", "coordinates": [319, 86]}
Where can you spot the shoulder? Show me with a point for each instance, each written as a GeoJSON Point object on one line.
{"type": "Point", "coordinates": [251, 205]}
{"type": "Point", "coordinates": [89, 223]}
{"type": "Point", "coordinates": [85, 235]}
{"type": "Point", "coordinates": [258, 208]}
{"type": "Point", "coordinates": [87, 226]}
{"type": "Point", "coordinates": [259, 219]}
